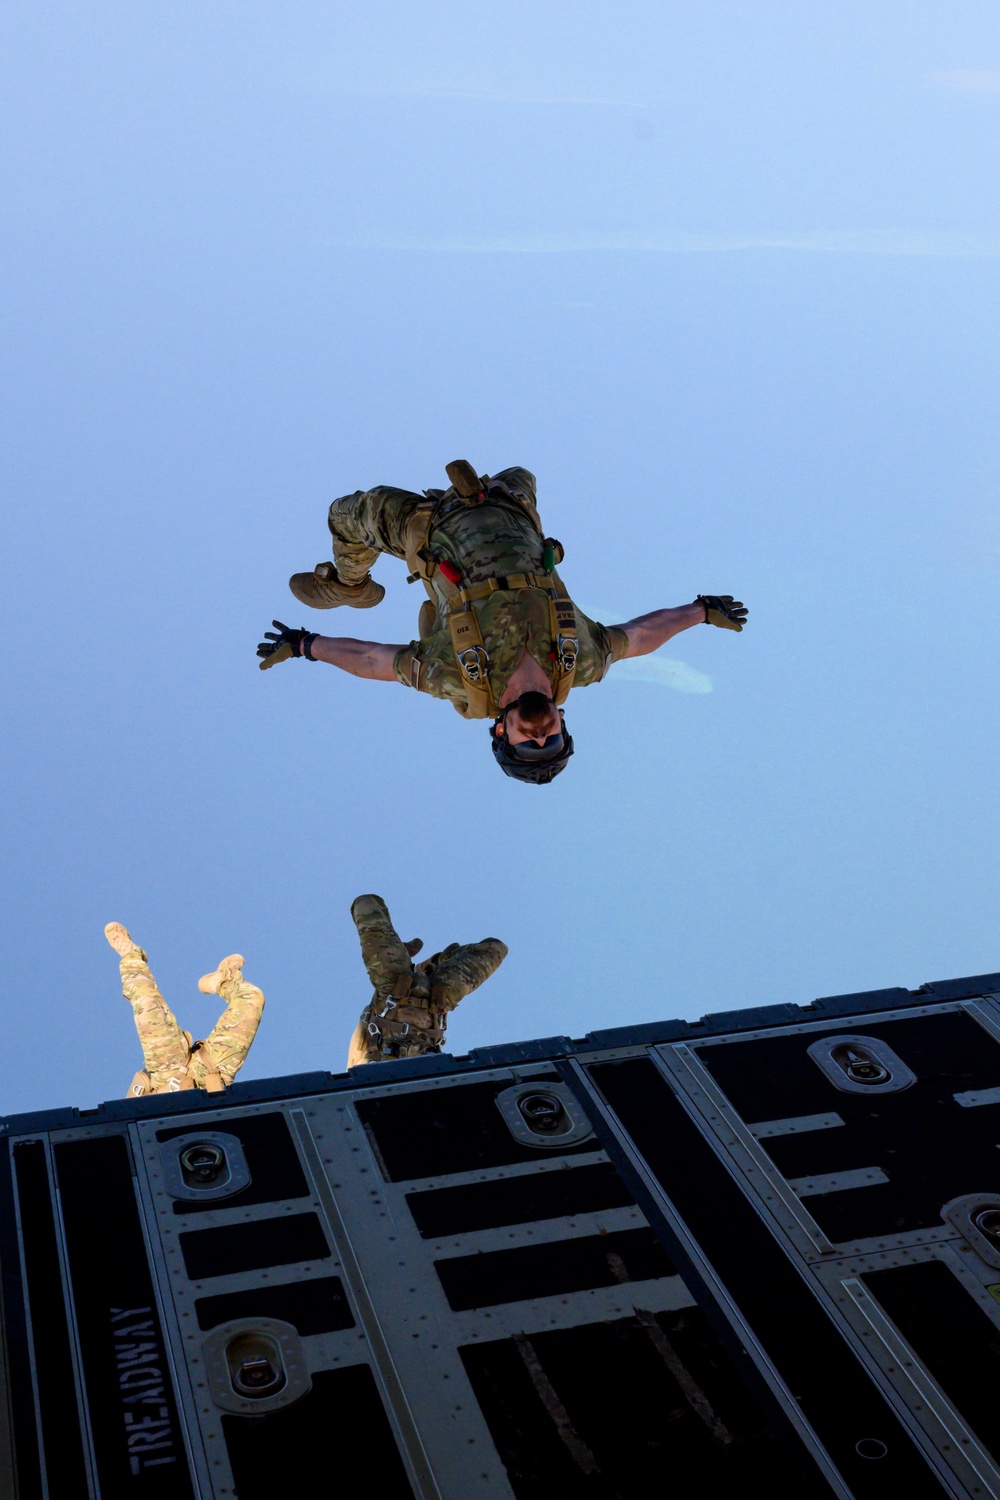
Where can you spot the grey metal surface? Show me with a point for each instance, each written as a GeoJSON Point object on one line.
{"type": "Point", "coordinates": [411, 1338]}
{"type": "Point", "coordinates": [200, 1414]}
{"type": "Point", "coordinates": [836, 1182]}
{"type": "Point", "coordinates": [218, 1373]}
{"type": "Point", "coordinates": [961, 1463]}
{"type": "Point", "coordinates": [916, 1389]}
{"type": "Point", "coordinates": [710, 1108]}
{"type": "Point", "coordinates": [536, 1232]}
{"type": "Point", "coordinates": [421, 1332]}
{"type": "Point", "coordinates": [83, 1414]}
{"type": "Point", "coordinates": [794, 1125]}
{"type": "Point", "coordinates": [833, 1024]}
{"type": "Point", "coordinates": [574, 1128]}
{"type": "Point", "coordinates": [210, 1474]}
{"type": "Point", "coordinates": [32, 1349]}
{"type": "Point", "coordinates": [960, 1213]}
{"type": "Point", "coordinates": [898, 1075]}
{"type": "Point", "coordinates": [716, 1287]}
{"type": "Point", "coordinates": [399, 1406]}
{"type": "Point", "coordinates": [973, 1098]}
{"type": "Point", "coordinates": [7, 1476]}
{"type": "Point", "coordinates": [601, 1304]}
{"type": "Point", "coordinates": [237, 1176]}
{"type": "Point", "coordinates": [545, 1165]}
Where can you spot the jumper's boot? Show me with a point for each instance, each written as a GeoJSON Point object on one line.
{"type": "Point", "coordinates": [386, 957]}
{"type": "Point", "coordinates": [464, 480]}
{"type": "Point", "coordinates": [120, 941]}
{"type": "Point", "coordinates": [229, 968]}
{"type": "Point", "coordinates": [322, 589]}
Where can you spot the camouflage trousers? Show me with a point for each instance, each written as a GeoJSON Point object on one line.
{"type": "Point", "coordinates": [366, 523]}
{"type": "Point", "coordinates": [407, 1013]}
{"type": "Point", "coordinates": [173, 1060]}
{"type": "Point", "coordinates": [378, 520]}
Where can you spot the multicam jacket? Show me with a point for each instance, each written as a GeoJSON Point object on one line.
{"type": "Point", "coordinates": [493, 540]}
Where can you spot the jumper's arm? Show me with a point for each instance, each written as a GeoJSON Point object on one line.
{"type": "Point", "coordinates": [648, 633]}
{"type": "Point", "coordinates": [360, 658]}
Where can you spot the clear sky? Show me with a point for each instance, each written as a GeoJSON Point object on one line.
{"type": "Point", "coordinates": [723, 275]}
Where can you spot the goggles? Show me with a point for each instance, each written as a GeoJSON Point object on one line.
{"type": "Point", "coordinates": [528, 750]}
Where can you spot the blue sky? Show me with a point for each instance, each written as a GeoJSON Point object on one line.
{"type": "Point", "coordinates": [724, 276]}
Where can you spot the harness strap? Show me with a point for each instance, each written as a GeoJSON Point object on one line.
{"type": "Point", "coordinates": [142, 1084]}
{"type": "Point", "coordinates": [420, 564]}
{"type": "Point", "coordinates": [470, 649]}
{"type": "Point", "coordinates": [565, 642]}
{"type": "Point", "coordinates": [511, 581]}
{"type": "Point", "coordinates": [397, 1018]}
{"type": "Point", "coordinates": [473, 662]}
{"type": "Point", "coordinates": [213, 1083]}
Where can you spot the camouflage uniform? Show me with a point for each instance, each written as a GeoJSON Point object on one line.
{"type": "Point", "coordinates": [487, 540]}
{"type": "Point", "coordinates": [173, 1060]}
{"type": "Point", "coordinates": [407, 1013]}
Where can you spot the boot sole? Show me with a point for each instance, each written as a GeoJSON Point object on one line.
{"type": "Point", "coordinates": [307, 593]}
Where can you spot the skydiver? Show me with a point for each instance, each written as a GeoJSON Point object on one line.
{"type": "Point", "coordinates": [173, 1059]}
{"type": "Point", "coordinates": [499, 637]}
{"type": "Point", "coordinates": [407, 1015]}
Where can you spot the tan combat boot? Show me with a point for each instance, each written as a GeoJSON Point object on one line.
{"type": "Point", "coordinates": [120, 941]}
{"type": "Point", "coordinates": [229, 968]}
{"type": "Point", "coordinates": [322, 589]}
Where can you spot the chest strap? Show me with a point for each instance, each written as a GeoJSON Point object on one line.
{"type": "Point", "coordinates": [418, 559]}
{"type": "Point", "coordinates": [390, 1020]}
{"type": "Point", "coordinates": [211, 1078]}
{"type": "Point", "coordinates": [489, 586]}
{"type": "Point", "coordinates": [470, 649]}
{"type": "Point", "coordinates": [473, 662]}
{"type": "Point", "coordinates": [565, 642]}
{"type": "Point", "coordinates": [142, 1084]}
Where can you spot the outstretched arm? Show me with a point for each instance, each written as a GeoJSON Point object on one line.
{"type": "Point", "coordinates": [360, 658]}
{"type": "Point", "coordinates": [648, 633]}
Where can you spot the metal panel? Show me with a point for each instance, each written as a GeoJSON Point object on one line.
{"type": "Point", "coordinates": [768, 1192]}
{"type": "Point", "coordinates": [837, 1271]}
{"type": "Point", "coordinates": [324, 1352]}
{"type": "Point", "coordinates": [810, 1367]}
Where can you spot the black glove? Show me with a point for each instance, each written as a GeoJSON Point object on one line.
{"type": "Point", "coordinates": [723, 610]}
{"type": "Point", "coordinates": [274, 648]}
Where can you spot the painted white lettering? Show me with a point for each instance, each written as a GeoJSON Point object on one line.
{"type": "Point", "coordinates": [132, 1421]}
{"type": "Point", "coordinates": [149, 1396]}
{"type": "Point", "coordinates": [139, 1375]}
{"type": "Point", "coordinates": [133, 1354]}
{"type": "Point", "coordinates": [160, 1438]}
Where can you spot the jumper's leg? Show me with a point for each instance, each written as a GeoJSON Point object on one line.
{"type": "Point", "coordinates": [225, 1049]}
{"type": "Point", "coordinates": [463, 968]}
{"type": "Point", "coordinates": [164, 1046]}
